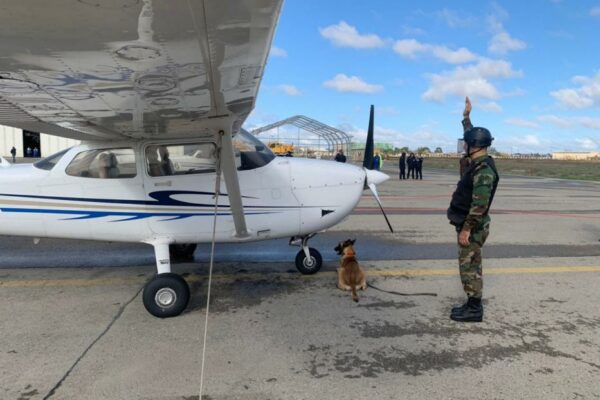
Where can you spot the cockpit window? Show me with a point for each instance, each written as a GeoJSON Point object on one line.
{"type": "Point", "coordinates": [250, 153]}
{"type": "Point", "coordinates": [180, 159]}
{"type": "Point", "coordinates": [103, 164]}
{"type": "Point", "coordinates": [49, 162]}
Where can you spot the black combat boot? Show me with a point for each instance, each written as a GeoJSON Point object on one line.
{"type": "Point", "coordinates": [460, 309]}
{"type": "Point", "coordinates": [472, 311]}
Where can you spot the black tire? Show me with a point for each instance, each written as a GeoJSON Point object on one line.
{"type": "Point", "coordinates": [182, 252]}
{"type": "Point", "coordinates": [174, 292]}
{"type": "Point", "coordinates": [312, 267]}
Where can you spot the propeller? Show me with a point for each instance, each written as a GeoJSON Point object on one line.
{"type": "Point", "coordinates": [369, 146]}
{"type": "Point", "coordinates": [372, 177]}
{"type": "Point", "coordinates": [374, 191]}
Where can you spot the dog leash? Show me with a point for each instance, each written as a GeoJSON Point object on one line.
{"type": "Point", "coordinates": [400, 293]}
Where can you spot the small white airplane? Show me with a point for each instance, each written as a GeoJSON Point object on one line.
{"type": "Point", "coordinates": [157, 92]}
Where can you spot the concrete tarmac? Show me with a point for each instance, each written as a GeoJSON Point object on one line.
{"type": "Point", "coordinates": [74, 326]}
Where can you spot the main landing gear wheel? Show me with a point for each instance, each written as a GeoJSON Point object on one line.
{"type": "Point", "coordinates": [166, 295]}
{"type": "Point", "coordinates": [310, 265]}
{"type": "Point", "coordinates": [182, 252]}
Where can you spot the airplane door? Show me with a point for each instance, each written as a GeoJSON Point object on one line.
{"type": "Point", "coordinates": [179, 181]}
{"type": "Point", "coordinates": [99, 196]}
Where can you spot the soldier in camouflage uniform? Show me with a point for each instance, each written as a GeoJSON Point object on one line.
{"type": "Point", "coordinates": [468, 212]}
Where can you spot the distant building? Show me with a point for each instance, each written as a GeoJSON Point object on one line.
{"type": "Point", "coordinates": [575, 155]}
{"type": "Point", "coordinates": [357, 150]}
{"type": "Point", "coordinates": [22, 139]}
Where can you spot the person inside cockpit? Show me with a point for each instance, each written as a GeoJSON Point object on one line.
{"type": "Point", "coordinates": [166, 164]}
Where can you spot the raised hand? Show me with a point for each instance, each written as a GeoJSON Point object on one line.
{"type": "Point", "coordinates": [468, 107]}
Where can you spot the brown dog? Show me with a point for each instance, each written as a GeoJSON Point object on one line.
{"type": "Point", "coordinates": [350, 275]}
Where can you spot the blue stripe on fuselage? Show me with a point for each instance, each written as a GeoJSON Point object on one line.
{"type": "Point", "coordinates": [161, 198]}
{"type": "Point", "coordinates": [130, 216]}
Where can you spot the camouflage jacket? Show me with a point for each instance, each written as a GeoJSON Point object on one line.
{"type": "Point", "coordinates": [485, 181]}
{"type": "Point", "coordinates": [481, 188]}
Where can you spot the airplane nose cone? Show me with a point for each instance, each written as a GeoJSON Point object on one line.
{"type": "Point", "coordinates": [376, 177]}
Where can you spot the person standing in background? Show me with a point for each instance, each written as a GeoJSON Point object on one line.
{"type": "Point", "coordinates": [13, 153]}
{"type": "Point", "coordinates": [402, 164]}
{"type": "Point", "coordinates": [377, 161]}
{"type": "Point", "coordinates": [419, 167]}
{"type": "Point", "coordinates": [411, 165]}
{"type": "Point", "coordinates": [340, 157]}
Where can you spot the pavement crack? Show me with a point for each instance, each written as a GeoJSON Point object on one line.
{"type": "Point", "coordinates": [542, 346]}
{"type": "Point", "coordinates": [52, 392]}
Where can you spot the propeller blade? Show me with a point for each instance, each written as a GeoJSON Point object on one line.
{"type": "Point", "coordinates": [369, 146]}
{"type": "Point", "coordinates": [374, 191]}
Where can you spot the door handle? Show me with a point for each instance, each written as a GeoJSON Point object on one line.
{"type": "Point", "coordinates": [165, 183]}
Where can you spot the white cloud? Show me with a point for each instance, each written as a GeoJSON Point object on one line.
{"type": "Point", "coordinates": [554, 120]}
{"type": "Point", "coordinates": [502, 43]}
{"type": "Point", "coordinates": [498, 12]}
{"type": "Point", "coordinates": [491, 106]}
{"type": "Point", "coordinates": [412, 31]}
{"type": "Point", "coordinates": [387, 110]}
{"type": "Point", "coordinates": [571, 122]}
{"type": "Point", "coordinates": [527, 140]}
{"type": "Point", "coordinates": [459, 56]}
{"type": "Point", "coordinates": [595, 12]}
{"type": "Point", "coordinates": [278, 52]}
{"type": "Point", "coordinates": [344, 83]}
{"type": "Point", "coordinates": [473, 81]}
{"type": "Point", "coordinates": [523, 123]}
{"type": "Point", "coordinates": [515, 93]}
{"type": "Point", "coordinates": [344, 35]}
{"type": "Point", "coordinates": [423, 136]}
{"type": "Point", "coordinates": [258, 118]}
{"type": "Point", "coordinates": [589, 122]}
{"type": "Point", "coordinates": [588, 143]}
{"type": "Point", "coordinates": [455, 20]}
{"type": "Point", "coordinates": [290, 90]}
{"type": "Point", "coordinates": [411, 48]}
{"type": "Point", "coordinates": [585, 96]}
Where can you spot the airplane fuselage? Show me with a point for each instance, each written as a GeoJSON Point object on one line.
{"type": "Point", "coordinates": [285, 197]}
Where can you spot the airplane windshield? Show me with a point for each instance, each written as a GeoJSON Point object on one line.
{"type": "Point", "coordinates": [49, 162]}
{"type": "Point", "coordinates": [250, 152]}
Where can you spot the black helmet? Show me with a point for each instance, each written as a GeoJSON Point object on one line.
{"type": "Point", "coordinates": [478, 137]}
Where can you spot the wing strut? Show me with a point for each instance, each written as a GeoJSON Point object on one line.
{"type": "Point", "coordinates": [232, 183]}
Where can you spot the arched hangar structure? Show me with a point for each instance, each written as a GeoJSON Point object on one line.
{"type": "Point", "coordinates": [321, 138]}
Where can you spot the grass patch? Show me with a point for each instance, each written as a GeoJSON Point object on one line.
{"type": "Point", "coordinates": [582, 170]}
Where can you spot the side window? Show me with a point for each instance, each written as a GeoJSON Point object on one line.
{"type": "Point", "coordinates": [103, 164]}
{"type": "Point", "coordinates": [180, 159]}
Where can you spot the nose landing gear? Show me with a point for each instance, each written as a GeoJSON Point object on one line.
{"type": "Point", "coordinates": [308, 260]}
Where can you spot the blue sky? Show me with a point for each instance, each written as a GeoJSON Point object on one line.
{"type": "Point", "coordinates": [532, 70]}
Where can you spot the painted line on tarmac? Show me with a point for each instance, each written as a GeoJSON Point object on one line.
{"type": "Point", "coordinates": [36, 283]}
{"type": "Point", "coordinates": [25, 283]}
{"type": "Point", "coordinates": [500, 211]}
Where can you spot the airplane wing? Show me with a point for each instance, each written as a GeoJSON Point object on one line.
{"type": "Point", "coordinates": [116, 69]}
{"type": "Point", "coordinates": [130, 69]}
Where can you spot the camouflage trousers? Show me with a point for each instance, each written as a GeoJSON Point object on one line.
{"type": "Point", "coordinates": [469, 260]}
